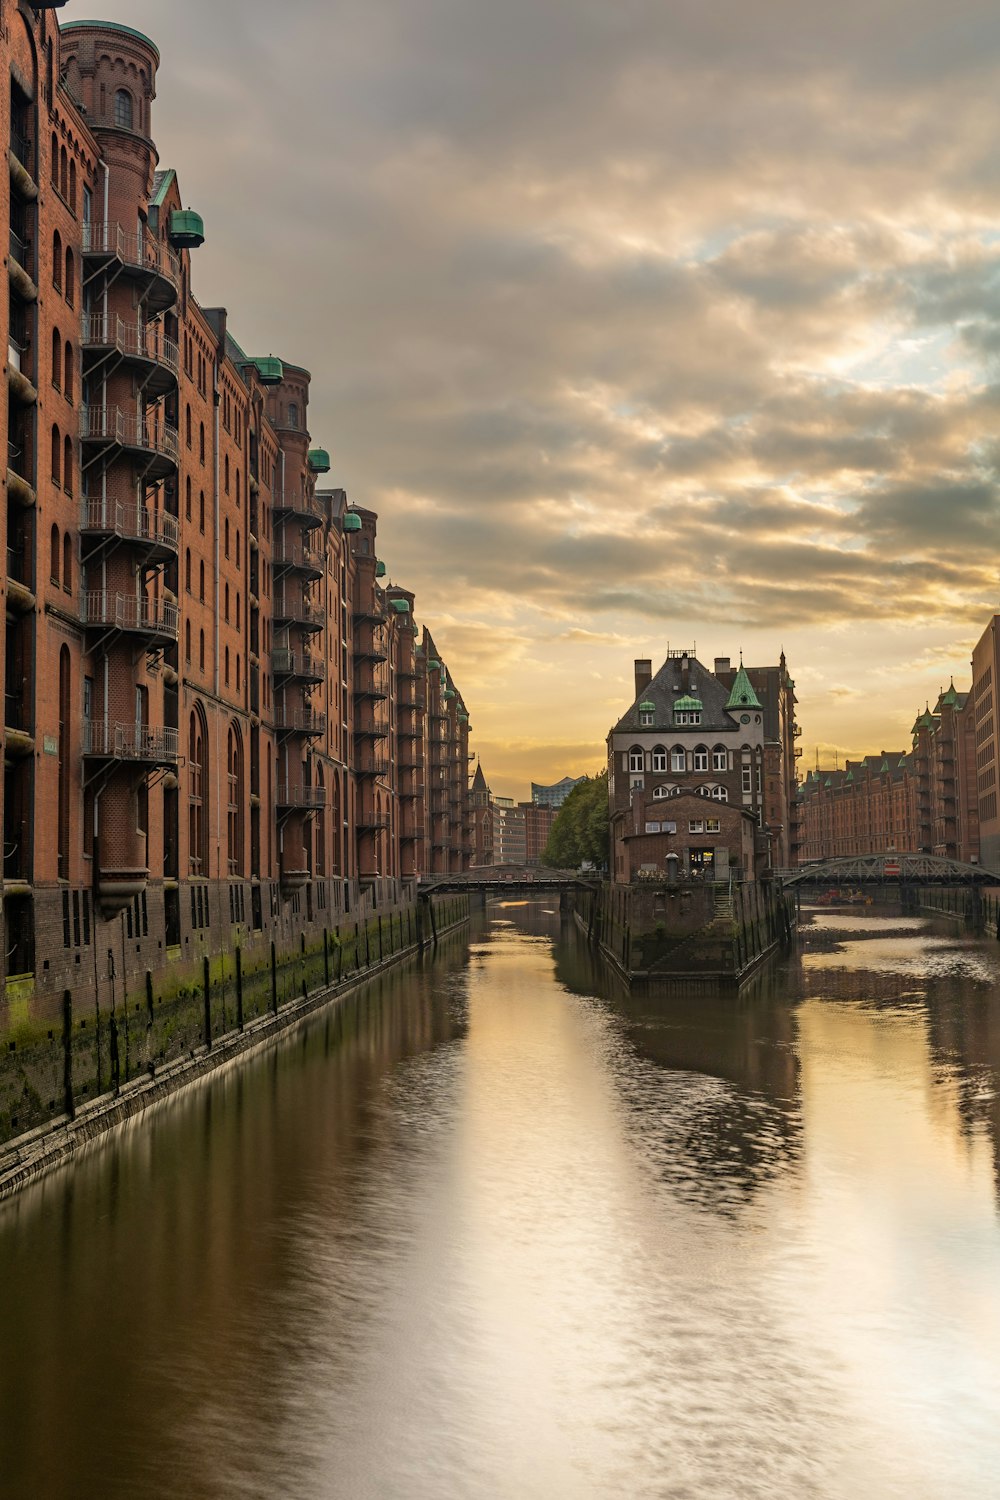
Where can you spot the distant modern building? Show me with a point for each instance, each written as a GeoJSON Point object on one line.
{"type": "Point", "coordinates": [555, 795]}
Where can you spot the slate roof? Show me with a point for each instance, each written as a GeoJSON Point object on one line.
{"type": "Point", "coordinates": [664, 690]}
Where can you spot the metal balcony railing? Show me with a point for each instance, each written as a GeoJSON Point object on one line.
{"type": "Point", "coordinates": [299, 721]}
{"type": "Point", "coordinates": [21, 147]}
{"type": "Point", "coordinates": [286, 663]}
{"type": "Point", "coordinates": [134, 340]}
{"type": "Point", "coordinates": [131, 522]}
{"type": "Point", "coordinates": [300, 796]}
{"type": "Point", "coordinates": [371, 822]}
{"type": "Point", "coordinates": [297, 505]}
{"type": "Point", "coordinates": [111, 740]}
{"type": "Point", "coordinates": [133, 248]}
{"type": "Point", "coordinates": [291, 552]}
{"type": "Point", "coordinates": [21, 251]}
{"type": "Point", "coordinates": [110, 424]}
{"type": "Point", "coordinates": [140, 615]}
{"type": "Point", "coordinates": [301, 611]}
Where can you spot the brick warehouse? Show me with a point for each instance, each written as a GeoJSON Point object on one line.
{"type": "Point", "coordinates": [222, 726]}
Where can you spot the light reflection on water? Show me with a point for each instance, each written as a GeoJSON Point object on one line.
{"type": "Point", "coordinates": [498, 1229]}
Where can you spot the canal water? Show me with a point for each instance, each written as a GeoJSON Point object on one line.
{"type": "Point", "coordinates": [493, 1229]}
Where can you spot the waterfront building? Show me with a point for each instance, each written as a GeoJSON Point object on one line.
{"type": "Point", "coordinates": [221, 726]}
{"type": "Point", "coordinates": [986, 732]}
{"type": "Point", "coordinates": [692, 731]}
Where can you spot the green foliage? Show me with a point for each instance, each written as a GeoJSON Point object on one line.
{"type": "Point", "coordinates": [580, 832]}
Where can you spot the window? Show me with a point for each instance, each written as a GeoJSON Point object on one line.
{"type": "Point", "coordinates": [227, 536]}
{"type": "Point", "coordinates": [713, 825]}
{"type": "Point", "coordinates": [201, 581]}
{"type": "Point", "coordinates": [201, 441]}
{"type": "Point", "coordinates": [678, 759]}
{"type": "Point", "coordinates": [64, 172]}
{"type": "Point", "coordinates": [235, 801]}
{"type": "Point", "coordinates": [720, 794]}
{"type": "Point", "coordinates": [293, 414]}
{"type": "Point", "coordinates": [197, 794]}
{"type": "Point", "coordinates": [696, 825]}
{"type": "Point", "coordinates": [72, 185]}
{"type": "Point", "coordinates": [55, 160]}
{"type": "Point", "coordinates": [54, 555]}
{"type": "Point", "coordinates": [747, 780]}
{"type": "Point", "coordinates": [187, 641]}
{"type": "Point", "coordinates": [227, 604]}
{"type": "Point", "coordinates": [662, 791]}
{"type": "Point", "coordinates": [237, 611]}
{"type": "Point", "coordinates": [645, 718]}
{"type": "Point", "coordinates": [187, 498]}
{"type": "Point", "coordinates": [659, 758]}
{"type": "Point", "coordinates": [68, 563]}
{"type": "Point", "coordinates": [201, 649]}
{"type": "Point", "coordinates": [68, 465]}
{"type": "Point", "coordinates": [187, 427]}
{"type": "Point", "coordinates": [636, 760]}
{"type": "Point", "coordinates": [227, 666]}
{"type": "Point", "coordinates": [68, 376]}
{"type": "Point", "coordinates": [687, 716]}
{"type": "Point", "coordinates": [70, 277]}
{"type": "Point", "coordinates": [201, 511]}
{"type": "Point", "coordinates": [123, 109]}
{"type": "Point", "coordinates": [57, 261]}
{"type": "Point", "coordinates": [226, 473]}
{"type": "Point", "coordinates": [700, 758]}
{"type": "Point", "coordinates": [720, 758]}
{"type": "Point", "coordinates": [187, 570]}
{"type": "Point", "coordinates": [56, 455]}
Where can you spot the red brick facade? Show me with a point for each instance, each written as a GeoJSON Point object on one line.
{"type": "Point", "coordinates": [220, 725]}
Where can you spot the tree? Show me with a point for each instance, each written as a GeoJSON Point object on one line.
{"type": "Point", "coordinates": [580, 831]}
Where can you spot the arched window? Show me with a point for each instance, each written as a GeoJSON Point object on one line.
{"type": "Point", "coordinates": [237, 489]}
{"type": "Point", "coordinates": [68, 375]}
{"type": "Point", "coordinates": [187, 427]}
{"type": "Point", "coordinates": [64, 173]}
{"type": "Point", "coordinates": [293, 414]}
{"type": "Point", "coordinates": [239, 563]}
{"type": "Point", "coordinates": [55, 554]}
{"type": "Point", "coordinates": [238, 677]}
{"type": "Point", "coordinates": [237, 611]}
{"type": "Point", "coordinates": [234, 821]}
{"type": "Point", "coordinates": [70, 291]}
{"type": "Point", "coordinates": [187, 641]}
{"type": "Point", "coordinates": [701, 757]}
{"type": "Point", "coordinates": [659, 758]}
{"type": "Point", "coordinates": [57, 261]}
{"type": "Point", "coordinates": [226, 534]}
{"type": "Point", "coordinates": [123, 109]}
{"type": "Point", "coordinates": [201, 510]}
{"type": "Point", "coordinates": [68, 563]}
{"type": "Point", "coordinates": [201, 441]}
{"type": "Point", "coordinates": [55, 159]}
{"type": "Point", "coordinates": [198, 784]}
{"type": "Point", "coordinates": [226, 606]}
{"type": "Point", "coordinates": [56, 357]}
{"type": "Point", "coordinates": [720, 794]}
{"type": "Point", "coordinates": [187, 570]}
{"type": "Point", "coordinates": [201, 649]}
{"type": "Point", "coordinates": [678, 759]}
{"type": "Point", "coordinates": [56, 454]}
{"type": "Point", "coordinates": [227, 666]}
{"type": "Point", "coordinates": [636, 760]}
{"type": "Point", "coordinates": [187, 498]}
{"type": "Point", "coordinates": [201, 581]}
{"type": "Point", "coordinates": [226, 473]}
{"type": "Point", "coordinates": [72, 185]}
{"type": "Point", "coordinates": [320, 864]}
{"type": "Point", "coordinates": [68, 465]}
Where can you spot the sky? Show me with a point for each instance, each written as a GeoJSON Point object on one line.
{"type": "Point", "coordinates": [640, 324]}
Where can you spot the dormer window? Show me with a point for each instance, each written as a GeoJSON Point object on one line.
{"type": "Point", "coordinates": [647, 713]}
{"type": "Point", "coordinates": [687, 710]}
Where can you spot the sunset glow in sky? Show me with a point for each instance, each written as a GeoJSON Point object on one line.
{"type": "Point", "coordinates": [637, 323]}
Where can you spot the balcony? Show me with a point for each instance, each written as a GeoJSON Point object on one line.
{"type": "Point", "coordinates": [140, 256]}
{"type": "Point", "coordinates": [293, 555]}
{"type": "Point", "coordinates": [377, 691]}
{"type": "Point", "coordinates": [300, 796]}
{"type": "Point", "coordinates": [372, 822]}
{"type": "Point", "coordinates": [412, 701]}
{"type": "Point", "coordinates": [299, 507]}
{"type": "Point", "coordinates": [139, 343]}
{"type": "Point", "coordinates": [156, 532]}
{"type": "Point", "coordinates": [371, 731]}
{"type": "Point", "coordinates": [21, 265]}
{"type": "Point", "coordinates": [373, 651]}
{"type": "Point", "coordinates": [302, 721]}
{"type": "Point", "coordinates": [298, 664]}
{"type": "Point", "coordinates": [155, 619]}
{"type": "Point", "coordinates": [301, 612]}
{"type": "Point", "coordinates": [105, 739]}
{"type": "Point", "coordinates": [111, 427]}
{"type": "Point", "coordinates": [371, 765]}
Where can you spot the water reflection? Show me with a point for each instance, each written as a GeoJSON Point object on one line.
{"type": "Point", "coordinates": [496, 1228]}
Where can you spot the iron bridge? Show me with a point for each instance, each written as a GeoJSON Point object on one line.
{"type": "Point", "coordinates": [889, 869]}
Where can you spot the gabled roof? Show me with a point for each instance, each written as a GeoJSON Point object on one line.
{"type": "Point", "coordinates": [666, 691]}
{"type": "Point", "coordinates": [741, 694]}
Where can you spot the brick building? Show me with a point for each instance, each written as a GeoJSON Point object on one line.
{"type": "Point", "coordinates": [691, 731]}
{"type": "Point", "coordinates": [220, 724]}
{"type": "Point", "coordinates": [923, 800]}
{"type": "Point", "coordinates": [986, 736]}
{"type": "Point", "coordinates": [505, 832]}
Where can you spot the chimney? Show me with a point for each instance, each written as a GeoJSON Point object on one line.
{"type": "Point", "coordinates": [721, 665]}
{"type": "Point", "coordinates": [643, 676]}
{"type": "Point", "coordinates": [685, 672]}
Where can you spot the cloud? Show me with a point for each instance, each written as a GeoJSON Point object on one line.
{"type": "Point", "coordinates": [633, 322]}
